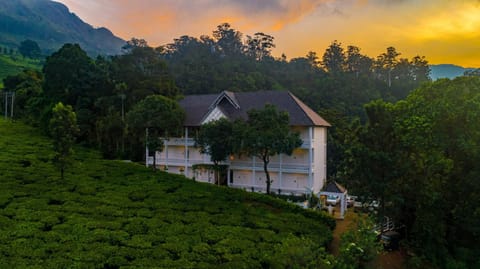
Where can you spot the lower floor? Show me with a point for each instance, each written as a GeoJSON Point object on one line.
{"type": "Point", "coordinates": [286, 182]}
{"type": "Point", "coordinates": [281, 182]}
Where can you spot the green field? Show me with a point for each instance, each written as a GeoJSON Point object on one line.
{"type": "Point", "coordinates": [11, 65]}
{"type": "Point", "coordinates": [113, 214]}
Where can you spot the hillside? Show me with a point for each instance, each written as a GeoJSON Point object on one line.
{"type": "Point", "coordinates": [447, 71]}
{"type": "Point", "coordinates": [111, 214]}
{"type": "Point", "coordinates": [13, 65]}
{"type": "Point", "coordinates": [51, 25]}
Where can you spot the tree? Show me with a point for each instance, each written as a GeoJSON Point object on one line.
{"type": "Point", "coordinates": [63, 129]}
{"type": "Point", "coordinates": [216, 139]}
{"type": "Point", "coordinates": [229, 40]}
{"type": "Point", "coordinates": [312, 59]}
{"type": "Point", "coordinates": [157, 116]}
{"type": "Point", "coordinates": [334, 58]}
{"type": "Point", "coordinates": [29, 48]}
{"type": "Point", "coordinates": [385, 64]}
{"type": "Point", "coordinates": [267, 133]}
{"type": "Point", "coordinates": [27, 86]}
{"type": "Point", "coordinates": [134, 43]}
{"type": "Point", "coordinates": [145, 73]}
{"type": "Point", "coordinates": [357, 63]}
{"type": "Point", "coordinates": [259, 46]}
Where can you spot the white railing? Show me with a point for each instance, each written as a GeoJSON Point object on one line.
{"type": "Point", "coordinates": [180, 142]}
{"type": "Point", "coordinates": [299, 168]}
{"type": "Point", "coordinates": [262, 189]}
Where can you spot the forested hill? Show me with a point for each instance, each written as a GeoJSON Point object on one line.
{"type": "Point", "coordinates": [51, 24]}
{"type": "Point", "coordinates": [447, 71]}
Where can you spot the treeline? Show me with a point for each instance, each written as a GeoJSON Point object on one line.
{"type": "Point", "coordinates": [103, 90]}
{"type": "Point", "coordinates": [100, 90]}
{"type": "Point", "coordinates": [415, 151]}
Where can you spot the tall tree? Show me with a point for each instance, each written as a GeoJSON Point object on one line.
{"type": "Point", "coordinates": [68, 74]}
{"type": "Point", "coordinates": [134, 43]}
{"type": "Point", "coordinates": [63, 129]}
{"type": "Point", "coordinates": [229, 40]}
{"type": "Point", "coordinates": [385, 64]}
{"type": "Point", "coordinates": [145, 73]}
{"type": "Point", "coordinates": [71, 77]}
{"type": "Point", "coordinates": [259, 46]}
{"type": "Point", "coordinates": [267, 133]}
{"type": "Point", "coordinates": [158, 117]}
{"type": "Point", "coordinates": [356, 63]}
{"type": "Point", "coordinates": [216, 139]}
{"type": "Point", "coordinates": [334, 58]}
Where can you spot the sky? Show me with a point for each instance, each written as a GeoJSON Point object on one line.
{"type": "Point", "coordinates": [444, 31]}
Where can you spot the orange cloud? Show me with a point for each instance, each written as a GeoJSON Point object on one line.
{"type": "Point", "coordinates": [300, 26]}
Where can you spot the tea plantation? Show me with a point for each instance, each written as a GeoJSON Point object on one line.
{"type": "Point", "coordinates": [113, 214]}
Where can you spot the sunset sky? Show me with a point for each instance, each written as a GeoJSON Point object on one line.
{"type": "Point", "coordinates": [445, 31]}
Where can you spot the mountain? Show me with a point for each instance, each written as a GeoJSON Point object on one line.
{"type": "Point", "coordinates": [447, 71]}
{"type": "Point", "coordinates": [51, 25]}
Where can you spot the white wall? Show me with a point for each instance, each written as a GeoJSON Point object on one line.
{"type": "Point", "coordinates": [293, 180]}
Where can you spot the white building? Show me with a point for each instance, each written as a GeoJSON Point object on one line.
{"type": "Point", "coordinates": [305, 170]}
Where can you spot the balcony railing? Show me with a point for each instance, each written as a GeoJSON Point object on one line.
{"type": "Point", "coordinates": [286, 167]}
{"type": "Point", "coordinates": [180, 142]}
{"type": "Point", "coordinates": [262, 189]}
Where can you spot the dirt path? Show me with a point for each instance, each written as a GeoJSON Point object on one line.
{"type": "Point", "coordinates": [342, 226]}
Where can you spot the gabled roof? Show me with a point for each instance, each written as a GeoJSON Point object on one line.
{"type": "Point", "coordinates": [333, 186]}
{"type": "Point", "coordinates": [236, 105]}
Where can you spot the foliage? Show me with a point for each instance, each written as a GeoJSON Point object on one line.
{"type": "Point", "coordinates": [359, 245]}
{"type": "Point", "coordinates": [159, 117]}
{"type": "Point", "coordinates": [29, 48]}
{"type": "Point", "coordinates": [419, 156]}
{"type": "Point", "coordinates": [337, 86]}
{"type": "Point", "coordinates": [266, 133]}
{"type": "Point", "coordinates": [27, 86]}
{"type": "Point", "coordinates": [11, 65]}
{"type": "Point", "coordinates": [71, 77]}
{"type": "Point", "coordinates": [63, 129]}
{"type": "Point", "coordinates": [112, 214]}
{"type": "Point", "coordinates": [215, 139]}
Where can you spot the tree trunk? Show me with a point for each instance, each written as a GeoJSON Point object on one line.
{"type": "Point", "coordinates": [61, 172]}
{"type": "Point", "coordinates": [265, 168]}
{"type": "Point", "coordinates": [154, 161]}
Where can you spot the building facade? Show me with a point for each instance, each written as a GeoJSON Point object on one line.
{"type": "Point", "coordinates": [303, 171]}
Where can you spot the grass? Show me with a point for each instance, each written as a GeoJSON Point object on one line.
{"type": "Point", "coordinates": [113, 214]}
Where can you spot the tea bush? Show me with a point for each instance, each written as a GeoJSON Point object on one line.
{"type": "Point", "coordinates": [114, 214]}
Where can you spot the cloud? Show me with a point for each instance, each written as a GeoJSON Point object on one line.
{"type": "Point", "coordinates": [300, 26]}
{"type": "Point", "coordinates": [168, 14]}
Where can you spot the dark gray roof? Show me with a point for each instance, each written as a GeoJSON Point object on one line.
{"type": "Point", "coordinates": [333, 186]}
{"type": "Point", "coordinates": [236, 105]}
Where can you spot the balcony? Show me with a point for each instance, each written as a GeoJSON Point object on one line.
{"type": "Point", "coordinates": [180, 142]}
{"type": "Point", "coordinates": [305, 144]}
{"type": "Point", "coordinates": [273, 167]}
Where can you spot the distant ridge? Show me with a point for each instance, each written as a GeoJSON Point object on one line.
{"type": "Point", "coordinates": [447, 71]}
{"type": "Point", "coordinates": [51, 24]}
